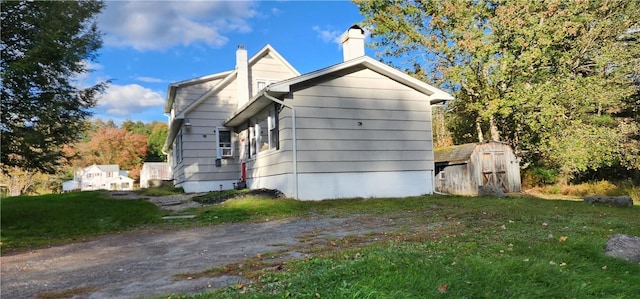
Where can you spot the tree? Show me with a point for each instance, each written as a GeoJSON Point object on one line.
{"type": "Point", "coordinates": [45, 45]}
{"type": "Point", "coordinates": [550, 78]}
{"type": "Point", "coordinates": [110, 145]}
{"type": "Point", "coordinates": [19, 182]}
{"type": "Point", "coordinates": [155, 143]}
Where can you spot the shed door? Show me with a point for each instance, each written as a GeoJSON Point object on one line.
{"type": "Point", "coordinates": [494, 170]}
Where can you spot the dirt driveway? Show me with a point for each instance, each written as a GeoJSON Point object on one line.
{"type": "Point", "coordinates": [143, 264]}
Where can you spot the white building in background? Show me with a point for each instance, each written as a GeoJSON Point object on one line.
{"type": "Point", "coordinates": [99, 177]}
{"type": "Point", "coordinates": [154, 171]}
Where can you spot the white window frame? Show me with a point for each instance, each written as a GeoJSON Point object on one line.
{"type": "Point", "coordinates": [267, 121]}
{"type": "Point", "coordinates": [226, 149]}
{"type": "Point", "coordinates": [266, 83]}
{"type": "Point", "coordinates": [178, 148]}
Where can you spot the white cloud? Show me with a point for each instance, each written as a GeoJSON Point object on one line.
{"type": "Point", "coordinates": [150, 79]}
{"type": "Point", "coordinates": [328, 35]}
{"type": "Point", "coordinates": [129, 99]}
{"type": "Point", "coordinates": [157, 25]}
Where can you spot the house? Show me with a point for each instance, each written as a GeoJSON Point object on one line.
{"type": "Point", "coordinates": [359, 128]}
{"type": "Point", "coordinates": [151, 171]}
{"type": "Point", "coordinates": [99, 177]}
{"type": "Point", "coordinates": [461, 169]}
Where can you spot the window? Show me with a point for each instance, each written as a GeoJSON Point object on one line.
{"type": "Point", "coordinates": [262, 83]}
{"type": "Point", "coordinates": [224, 143]}
{"type": "Point", "coordinates": [177, 150]}
{"type": "Point", "coordinates": [263, 134]}
{"type": "Point", "coordinates": [273, 132]}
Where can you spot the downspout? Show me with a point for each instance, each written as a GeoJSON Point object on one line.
{"type": "Point", "coordinates": [433, 172]}
{"type": "Point", "coordinates": [293, 127]}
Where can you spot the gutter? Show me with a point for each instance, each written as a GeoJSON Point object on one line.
{"type": "Point", "coordinates": [293, 125]}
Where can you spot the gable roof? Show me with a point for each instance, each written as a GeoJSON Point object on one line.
{"type": "Point", "coordinates": [171, 92]}
{"type": "Point", "coordinates": [227, 77]}
{"type": "Point", "coordinates": [259, 101]}
{"type": "Point", "coordinates": [105, 167]}
{"type": "Point", "coordinates": [454, 154]}
{"type": "Point", "coordinates": [437, 95]}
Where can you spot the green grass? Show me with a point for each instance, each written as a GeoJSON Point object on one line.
{"type": "Point", "coordinates": [482, 248]}
{"type": "Point", "coordinates": [477, 247]}
{"type": "Point", "coordinates": [35, 221]}
{"type": "Point", "coordinates": [161, 191]}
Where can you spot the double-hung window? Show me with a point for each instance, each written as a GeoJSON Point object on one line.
{"type": "Point", "coordinates": [263, 131]}
{"type": "Point", "coordinates": [177, 149]}
{"type": "Point", "coordinates": [224, 143]}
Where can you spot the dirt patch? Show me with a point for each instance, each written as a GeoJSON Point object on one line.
{"type": "Point", "coordinates": [149, 263]}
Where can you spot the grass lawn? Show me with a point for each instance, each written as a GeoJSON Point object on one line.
{"type": "Point", "coordinates": [36, 221]}
{"type": "Point", "coordinates": [442, 246]}
{"type": "Point", "coordinates": [480, 248]}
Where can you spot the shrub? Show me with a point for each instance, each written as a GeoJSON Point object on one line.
{"type": "Point", "coordinates": [539, 176]}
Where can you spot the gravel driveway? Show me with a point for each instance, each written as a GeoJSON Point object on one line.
{"type": "Point", "coordinates": [143, 263]}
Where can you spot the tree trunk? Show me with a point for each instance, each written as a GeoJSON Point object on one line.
{"type": "Point", "coordinates": [495, 134]}
{"type": "Point", "coordinates": [479, 130]}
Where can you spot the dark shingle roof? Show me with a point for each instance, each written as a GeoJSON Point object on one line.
{"type": "Point", "coordinates": [454, 154]}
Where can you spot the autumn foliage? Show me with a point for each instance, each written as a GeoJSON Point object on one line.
{"type": "Point", "coordinates": [109, 145]}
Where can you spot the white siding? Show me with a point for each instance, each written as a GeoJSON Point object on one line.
{"type": "Point", "coordinates": [362, 122]}
{"type": "Point", "coordinates": [267, 68]}
{"type": "Point", "coordinates": [197, 171]}
{"type": "Point", "coordinates": [360, 135]}
{"type": "Point", "coordinates": [199, 142]}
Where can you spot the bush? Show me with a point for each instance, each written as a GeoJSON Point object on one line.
{"type": "Point", "coordinates": [539, 176]}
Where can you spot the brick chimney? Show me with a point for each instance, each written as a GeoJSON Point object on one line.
{"type": "Point", "coordinates": [353, 43]}
{"type": "Point", "coordinates": [242, 80]}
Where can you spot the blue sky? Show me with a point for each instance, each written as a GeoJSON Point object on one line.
{"type": "Point", "coordinates": [149, 44]}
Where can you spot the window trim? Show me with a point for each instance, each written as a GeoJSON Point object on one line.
{"type": "Point", "coordinates": [178, 148]}
{"type": "Point", "coordinates": [266, 83]}
{"type": "Point", "coordinates": [219, 148]}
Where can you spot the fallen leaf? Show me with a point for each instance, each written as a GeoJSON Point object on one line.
{"type": "Point", "coordinates": [562, 238]}
{"type": "Point", "coordinates": [442, 288]}
{"type": "Point", "coordinates": [239, 285]}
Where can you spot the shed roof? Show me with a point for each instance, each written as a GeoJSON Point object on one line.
{"type": "Point", "coordinates": [454, 154]}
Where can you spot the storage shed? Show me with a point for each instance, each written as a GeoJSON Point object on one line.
{"type": "Point", "coordinates": [154, 171]}
{"type": "Point", "coordinates": [461, 169]}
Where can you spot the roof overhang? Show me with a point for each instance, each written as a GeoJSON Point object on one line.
{"type": "Point", "coordinates": [171, 91]}
{"type": "Point", "coordinates": [435, 94]}
{"type": "Point", "coordinates": [174, 128]}
{"type": "Point", "coordinates": [256, 104]}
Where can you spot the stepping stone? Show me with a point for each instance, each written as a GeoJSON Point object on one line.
{"type": "Point", "coordinates": [179, 217]}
